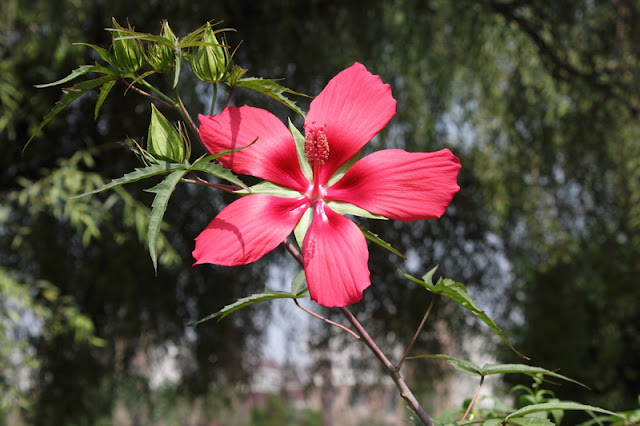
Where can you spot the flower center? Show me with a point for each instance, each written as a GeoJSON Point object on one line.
{"type": "Point", "coordinates": [316, 147]}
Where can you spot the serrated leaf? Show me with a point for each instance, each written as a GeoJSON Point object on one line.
{"type": "Point", "coordinates": [272, 89]}
{"type": "Point", "coordinates": [218, 171]}
{"type": "Point", "coordinates": [300, 150]}
{"type": "Point", "coordinates": [138, 174]}
{"type": "Point", "coordinates": [379, 241]}
{"type": "Point", "coordinates": [163, 192]}
{"type": "Point", "coordinates": [248, 301]}
{"type": "Point", "coordinates": [458, 293]}
{"type": "Point", "coordinates": [235, 74]}
{"type": "Point", "coordinates": [560, 405]}
{"type": "Point", "coordinates": [70, 95]}
{"type": "Point", "coordinates": [104, 91]}
{"type": "Point", "coordinates": [269, 188]}
{"type": "Point", "coordinates": [81, 70]}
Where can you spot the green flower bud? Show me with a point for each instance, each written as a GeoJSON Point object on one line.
{"type": "Point", "coordinates": [160, 56]}
{"type": "Point", "coordinates": [127, 54]}
{"type": "Point", "coordinates": [210, 62]}
{"type": "Point", "coordinates": [164, 141]}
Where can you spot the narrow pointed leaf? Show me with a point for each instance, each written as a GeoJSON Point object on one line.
{"type": "Point", "coordinates": [462, 365]}
{"type": "Point", "coordinates": [560, 405]}
{"type": "Point", "coordinates": [70, 95]}
{"type": "Point", "coordinates": [489, 369]}
{"type": "Point", "coordinates": [348, 208]}
{"type": "Point", "coordinates": [104, 92]}
{"type": "Point", "coordinates": [458, 293]}
{"type": "Point", "coordinates": [379, 241]}
{"type": "Point", "coordinates": [104, 54]}
{"type": "Point", "coordinates": [218, 171]}
{"type": "Point", "coordinates": [272, 89]}
{"type": "Point", "coordinates": [269, 188]}
{"type": "Point", "coordinates": [163, 192]}
{"type": "Point", "coordinates": [248, 301]}
{"type": "Point", "coordinates": [81, 70]}
{"type": "Point", "coordinates": [138, 174]}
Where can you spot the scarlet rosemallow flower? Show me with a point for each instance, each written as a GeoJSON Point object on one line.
{"type": "Point", "coordinates": [312, 189]}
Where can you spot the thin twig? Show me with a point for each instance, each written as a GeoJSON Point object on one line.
{"type": "Point", "coordinates": [185, 115]}
{"type": "Point", "coordinates": [405, 392]}
{"type": "Point", "coordinates": [327, 320]}
{"type": "Point", "coordinates": [415, 336]}
{"type": "Point", "coordinates": [473, 400]}
{"type": "Point", "coordinates": [147, 94]}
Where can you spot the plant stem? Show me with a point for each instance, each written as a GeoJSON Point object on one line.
{"type": "Point", "coordinates": [405, 392]}
{"type": "Point", "coordinates": [393, 371]}
{"type": "Point", "coordinates": [185, 115]}
{"type": "Point", "coordinates": [415, 336]}
{"type": "Point", "coordinates": [473, 400]}
{"type": "Point", "coordinates": [327, 320]}
{"type": "Point", "coordinates": [213, 100]}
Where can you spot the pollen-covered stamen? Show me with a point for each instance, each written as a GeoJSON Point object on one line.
{"type": "Point", "coordinates": [316, 147]}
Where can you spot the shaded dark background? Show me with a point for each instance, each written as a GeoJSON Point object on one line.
{"type": "Point", "coordinates": [539, 99]}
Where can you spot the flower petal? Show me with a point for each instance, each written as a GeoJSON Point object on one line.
{"type": "Point", "coordinates": [247, 229]}
{"type": "Point", "coordinates": [335, 259]}
{"type": "Point", "coordinates": [354, 106]}
{"type": "Point", "coordinates": [400, 185]}
{"type": "Point", "coordinates": [273, 157]}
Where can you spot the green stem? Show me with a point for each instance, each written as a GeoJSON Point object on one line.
{"type": "Point", "coordinates": [158, 92]}
{"type": "Point", "coordinates": [213, 100]}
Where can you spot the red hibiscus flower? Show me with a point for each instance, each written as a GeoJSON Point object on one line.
{"type": "Point", "coordinates": [312, 188]}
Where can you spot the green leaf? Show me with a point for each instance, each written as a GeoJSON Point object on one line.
{"type": "Point", "coordinates": [300, 150]}
{"type": "Point", "coordinates": [531, 421]}
{"type": "Point", "coordinates": [235, 75]}
{"type": "Point", "coordinates": [163, 192]}
{"type": "Point", "coordinates": [270, 188]}
{"type": "Point", "coordinates": [217, 170]}
{"type": "Point", "coordinates": [458, 293]}
{"type": "Point", "coordinates": [373, 237]}
{"type": "Point", "coordinates": [560, 405]}
{"type": "Point", "coordinates": [104, 91]}
{"type": "Point", "coordinates": [70, 95]}
{"type": "Point", "coordinates": [462, 365]}
{"type": "Point", "coordinates": [489, 369]}
{"type": "Point", "coordinates": [248, 301]}
{"type": "Point", "coordinates": [81, 70]}
{"type": "Point", "coordinates": [104, 54]}
{"type": "Point", "coordinates": [138, 174]}
{"type": "Point", "coordinates": [272, 89]}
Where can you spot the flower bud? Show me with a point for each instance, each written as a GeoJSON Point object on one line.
{"type": "Point", "coordinates": [127, 53]}
{"type": "Point", "coordinates": [160, 56]}
{"type": "Point", "coordinates": [164, 142]}
{"type": "Point", "coordinates": [210, 62]}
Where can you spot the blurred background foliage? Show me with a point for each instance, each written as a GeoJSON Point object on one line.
{"type": "Point", "coordinates": [539, 99]}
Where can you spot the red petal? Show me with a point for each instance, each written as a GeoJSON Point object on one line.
{"type": "Point", "coordinates": [272, 157]}
{"type": "Point", "coordinates": [247, 229]}
{"type": "Point", "coordinates": [354, 106]}
{"type": "Point", "coordinates": [335, 259]}
{"type": "Point", "coordinates": [400, 185]}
